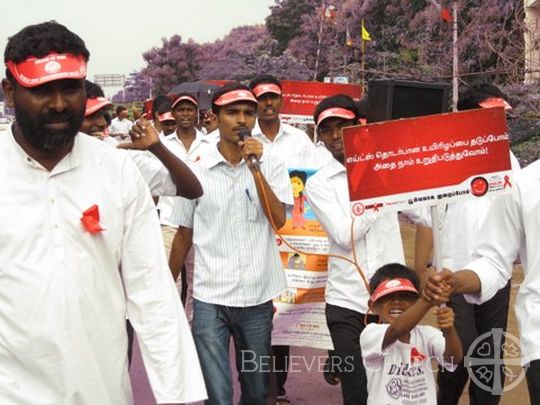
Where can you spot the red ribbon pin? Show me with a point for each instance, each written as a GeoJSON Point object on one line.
{"type": "Point", "coordinates": [90, 220]}
{"type": "Point", "coordinates": [416, 356]}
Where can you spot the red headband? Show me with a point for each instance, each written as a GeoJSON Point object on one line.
{"type": "Point", "coordinates": [391, 286]}
{"type": "Point", "coordinates": [495, 102]}
{"type": "Point", "coordinates": [335, 112]}
{"type": "Point", "coordinates": [264, 88]}
{"type": "Point", "coordinates": [166, 117]}
{"type": "Point", "coordinates": [34, 72]}
{"type": "Point", "coordinates": [235, 95]}
{"type": "Point", "coordinates": [185, 98]}
{"type": "Point", "coordinates": [95, 104]}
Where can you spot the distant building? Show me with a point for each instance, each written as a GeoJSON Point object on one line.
{"type": "Point", "coordinates": [532, 40]}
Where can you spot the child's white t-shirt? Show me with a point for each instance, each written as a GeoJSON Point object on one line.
{"type": "Point", "coordinates": [402, 373]}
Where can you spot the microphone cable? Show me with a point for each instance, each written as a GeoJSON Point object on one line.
{"type": "Point", "coordinates": [354, 262]}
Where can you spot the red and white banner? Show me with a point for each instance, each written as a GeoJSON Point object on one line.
{"type": "Point", "coordinates": [301, 98]}
{"type": "Point", "coordinates": [429, 160]}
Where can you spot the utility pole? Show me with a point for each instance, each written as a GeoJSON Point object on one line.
{"type": "Point", "coordinates": [455, 59]}
{"type": "Point", "coordinates": [319, 42]}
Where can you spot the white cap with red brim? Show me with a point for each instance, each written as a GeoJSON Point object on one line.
{"type": "Point", "coordinates": [264, 88]}
{"type": "Point", "coordinates": [166, 117]}
{"type": "Point", "coordinates": [335, 112]}
{"type": "Point", "coordinates": [185, 98]}
{"type": "Point", "coordinates": [96, 104]}
{"type": "Point", "coordinates": [391, 286]}
{"type": "Point", "coordinates": [34, 71]}
{"type": "Point", "coordinates": [495, 102]}
{"type": "Point", "coordinates": [235, 96]}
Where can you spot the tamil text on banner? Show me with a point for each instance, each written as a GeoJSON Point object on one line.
{"type": "Point", "coordinates": [429, 160]}
{"type": "Point", "coordinates": [300, 319]}
{"type": "Point", "coordinates": [301, 98]}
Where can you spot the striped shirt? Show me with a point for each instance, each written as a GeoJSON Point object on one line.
{"type": "Point", "coordinates": [236, 257]}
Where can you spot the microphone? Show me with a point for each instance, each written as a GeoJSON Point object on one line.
{"type": "Point", "coordinates": [243, 134]}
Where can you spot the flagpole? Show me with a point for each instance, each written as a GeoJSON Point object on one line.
{"type": "Point", "coordinates": [363, 62]}
{"type": "Point", "coordinates": [319, 41]}
{"type": "Point", "coordinates": [455, 60]}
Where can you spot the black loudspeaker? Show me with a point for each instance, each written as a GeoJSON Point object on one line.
{"type": "Point", "coordinates": [393, 99]}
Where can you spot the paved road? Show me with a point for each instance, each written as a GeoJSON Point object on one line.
{"type": "Point", "coordinates": [305, 385]}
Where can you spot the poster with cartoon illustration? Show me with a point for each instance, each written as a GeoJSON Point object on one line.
{"type": "Point", "coordinates": [300, 319]}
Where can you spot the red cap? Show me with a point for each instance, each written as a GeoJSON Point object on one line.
{"type": "Point", "coordinates": [495, 102]}
{"type": "Point", "coordinates": [166, 117]}
{"type": "Point", "coordinates": [234, 96]}
{"type": "Point", "coordinates": [391, 286]}
{"type": "Point", "coordinates": [34, 72]}
{"type": "Point", "coordinates": [335, 112]}
{"type": "Point", "coordinates": [185, 97]}
{"type": "Point", "coordinates": [264, 88]}
{"type": "Point", "coordinates": [95, 104]}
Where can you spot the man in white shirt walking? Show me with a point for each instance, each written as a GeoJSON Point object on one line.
{"type": "Point", "coordinates": [511, 228]}
{"type": "Point", "coordinates": [237, 265]}
{"type": "Point", "coordinates": [376, 240]}
{"type": "Point", "coordinates": [121, 125]}
{"type": "Point", "coordinates": [189, 144]}
{"type": "Point", "coordinates": [460, 224]}
{"type": "Point", "coordinates": [80, 247]}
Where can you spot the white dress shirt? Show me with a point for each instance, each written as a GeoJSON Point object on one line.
{"type": "Point", "coordinates": [119, 129]}
{"type": "Point", "coordinates": [155, 174]}
{"type": "Point", "coordinates": [512, 227]}
{"type": "Point", "coordinates": [196, 150]}
{"type": "Point", "coordinates": [377, 237]}
{"type": "Point", "coordinates": [460, 224]}
{"type": "Point", "coordinates": [292, 146]}
{"type": "Point", "coordinates": [236, 257]}
{"type": "Point", "coordinates": [65, 293]}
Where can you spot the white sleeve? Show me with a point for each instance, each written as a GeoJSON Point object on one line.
{"type": "Point", "coordinates": [153, 304]}
{"type": "Point", "coordinates": [371, 340]}
{"type": "Point", "coordinates": [154, 173]}
{"type": "Point", "coordinates": [498, 246]}
{"type": "Point", "coordinates": [436, 346]}
{"type": "Point", "coordinates": [329, 213]}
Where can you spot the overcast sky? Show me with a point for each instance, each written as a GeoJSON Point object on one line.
{"type": "Point", "coordinates": [117, 32]}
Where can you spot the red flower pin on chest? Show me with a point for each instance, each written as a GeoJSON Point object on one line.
{"type": "Point", "coordinates": [416, 356]}
{"type": "Point", "coordinates": [90, 220]}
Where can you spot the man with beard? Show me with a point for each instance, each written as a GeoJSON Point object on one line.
{"type": "Point", "coordinates": [80, 247]}
{"type": "Point", "coordinates": [372, 241]}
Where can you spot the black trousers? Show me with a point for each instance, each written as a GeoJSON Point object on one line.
{"type": "Point", "coordinates": [533, 381]}
{"type": "Point", "coordinates": [471, 322]}
{"type": "Point", "coordinates": [281, 361]}
{"type": "Point", "coordinates": [345, 327]}
{"type": "Point", "coordinates": [130, 334]}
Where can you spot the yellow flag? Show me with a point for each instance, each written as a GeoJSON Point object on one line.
{"type": "Point", "coordinates": [365, 33]}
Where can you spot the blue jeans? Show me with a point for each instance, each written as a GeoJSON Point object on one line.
{"type": "Point", "coordinates": [250, 328]}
